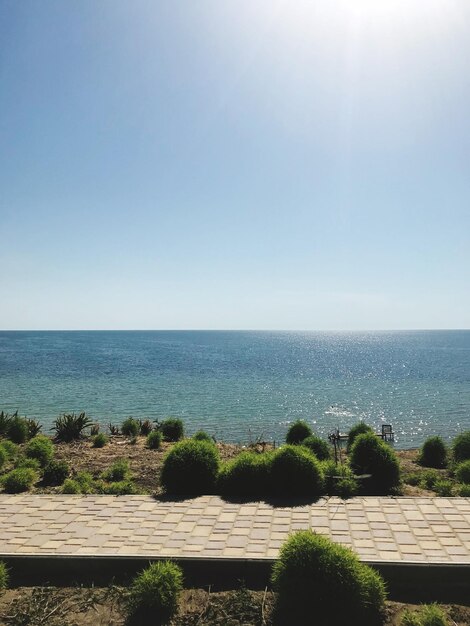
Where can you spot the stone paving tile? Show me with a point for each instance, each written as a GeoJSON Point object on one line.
{"type": "Point", "coordinates": [391, 529]}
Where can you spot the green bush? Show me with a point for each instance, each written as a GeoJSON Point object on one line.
{"type": "Point", "coordinates": [10, 448]}
{"type": "Point", "coordinates": [318, 446]}
{"type": "Point", "coordinates": [34, 427]}
{"type": "Point", "coordinates": [190, 467]}
{"type": "Point", "coordinates": [360, 428]}
{"type": "Point", "coordinates": [296, 472]}
{"type": "Point", "coordinates": [444, 488]}
{"type": "Point", "coordinates": [118, 471]}
{"type": "Point", "coordinates": [71, 487]}
{"type": "Point", "coordinates": [461, 447]}
{"type": "Point", "coordinates": [321, 582]}
{"type": "Point", "coordinates": [201, 435]}
{"type": "Point", "coordinates": [130, 427]}
{"type": "Point", "coordinates": [154, 592]}
{"type": "Point", "coordinates": [462, 472]}
{"type": "Point", "coordinates": [433, 453]}
{"type": "Point", "coordinates": [100, 440]}
{"type": "Point", "coordinates": [145, 427]}
{"type": "Point", "coordinates": [427, 615]}
{"type": "Point", "coordinates": [3, 456]}
{"type": "Point", "coordinates": [26, 462]}
{"type": "Point", "coordinates": [85, 482]}
{"type": "Point", "coordinates": [4, 577]}
{"type": "Point", "coordinates": [428, 479]}
{"type": "Point", "coordinates": [40, 448]}
{"type": "Point", "coordinates": [339, 480]}
{"type": "Point", "coordinates": [19, 480]}
{"type": "Point", "coordinates": [154, 440]}
{"type": "Point", "coordinates": [297, 432]}
{"type": "Point", "coordinates": [55, 473]}
{"type": "Point", "coordinates": [118, 488]}
{"type": "Point", "coordinates": [464, 491]}
{"type": "Point", "coordinates": [18, 429]}
{"type": "Point", "coordinates": [172, 429]}
{"type": "Point", "coordinates": [370, 455]}
{"type": "Point", "coordinates": [413, 479]}
{"type": "Point", "coordinates": [69, 427]}
{"type": "Point", "coordinates": [4, 423]}
{"type": "Point", "coordinates": [246, 475]}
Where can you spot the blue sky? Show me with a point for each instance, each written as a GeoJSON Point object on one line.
{"type": "Point", "coordinates": [236, 164]}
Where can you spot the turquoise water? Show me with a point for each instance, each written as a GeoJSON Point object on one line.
{"type": "Point", "coordinates": [244, 385]}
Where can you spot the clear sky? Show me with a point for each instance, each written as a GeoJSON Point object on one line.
{"type": "Point", "coordinates": [235, 164]}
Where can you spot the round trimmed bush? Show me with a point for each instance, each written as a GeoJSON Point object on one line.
{"type": "Point", "coordinates": [461, 447]}
{"type": "Point", "coordinates": [321, 582]}
{"type": "Point", "coordinates": [370, 455]}
{"type": "Point", "coordinates": [339, 480]}
{"type": "Point", "coordinates": [18, 429]}
{"type": "Point", "coordinates": [318, 446]}
{"type": "Point", "coordinates": [10, 448]}
{"type": "Point", "coordinates": [433, 453]}
{"type": "Point", "coordinates": [154, 592]}
{"type": "Point", "coordinates": [40, 448]}
{"type": "Point", "coordinates": [130, 427]}
{"type": "Point", "coordinates": [201, 435]}
{"type": "Point", "coordinates": [246, 475]}
{"type": "Point", "coordinates": [172, 429]}
{"type": "Point", "coordinates": [55, 473]}
{"type": "Point", "coordinates": [118, 471]}
{"type": "Point", "coordinates": [298, 431]}
{"type": "Point", "coordinates": [19, 480]}
{"type": "Point", "coordinates": [4, 577]}
{"type": "Point", "coordinates": [358, 429]}
{"type": "Point", "coordinates": [154, 440]}
{"type": "Point", "coordinates": [100, 440]}
{"type": "Point", "coordinates": [190, 468]}
{"type": "Point", "coordinates": [462, 472]}
{"type": "Point", "coordinates": [295, 471]}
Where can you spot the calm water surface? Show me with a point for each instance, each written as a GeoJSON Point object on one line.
{"type": "Point", "coordinates": [242, 385]}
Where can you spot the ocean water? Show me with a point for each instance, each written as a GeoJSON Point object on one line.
{"type": "Point", "coordinates": [240, 386]}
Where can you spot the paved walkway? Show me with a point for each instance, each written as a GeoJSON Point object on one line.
{"type": "Point", "coordinates": [419, 530]}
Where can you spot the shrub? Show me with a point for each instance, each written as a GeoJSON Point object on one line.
{"type": "Point", "coordinates": [24, 461]}
{"type": "Point", "coordinates": [358, 429]}
{"type": "Point", "coordinates": [433, 453]}
{"type": "Point", "coordinates": [130, 427]}
{"type": "Point", "coordinates": [69, 427]}
{"type": "Point", "coordinates": [94, 429]}
{"type": "Point", "coordinates": [461, 447]}
{"type": "Point", "coordinates": [34, 427]}
{"type": "Point", "coordinates": [70, 487]}
{"type": "Point", "coordinates": [190, 467]}
{"type": "Point", "coordinates": [339, 480]}
{"type": "Point", "coordinates": [201, 435]}
{"type": "Point", "coordinates": [118, 471]}
{"type": "Point", "coordinates": [118, 488]}
{"type": "Point", "coordinates": [145, 427]}
{"type": "Point", "coordinates": [4, 423]}
{"type": "Point", "coordinates": [172, 429]}
{"type": "Point", "coordinates": [370, 455]}
{"type": "Point", "coordinates": [318, 446]}
{"type": "Point", "coordinates": [427, 615]}
{"type": "Point", "coordinates": [462, 472]}
{"type": "Point", "coordinates": [464, 491]}
{"type": "Point", "coordinates": [85, 482]}
{"type": "Point", "coordinates": [444, 488]}
{"type": "Point", "coordinates": [100, 440]}
{"type": "Point", "coordinates": [321, 582]}
{"type": "Point", "coordinates": [40, 448]}
{"type": "Point", "coordinates": [428, 479]}
{"type": "Point", "coordinates": [154, 592]}
{"type": "Point", "coordinates": [298, 431]}
{"type": "Point", "coordinates": [413, 479]}
{"type": "Point", "coordinates": [17, 429]}
{"type": "Point", "coordinates": [10, 448]}
{"type": "Point", "coordinates": [4, 577]}
{"type": "Point", "coordinates": [55, 473]}
{"type": "Point", "coordinates": [154, 440]}
{"type": "Point", "coordinates": [19, 480]}
{"type": "Point", "coordinates": [246, 475]}
{"type": "Point", "coordinates": [3, 456]}
{"type": "Point", "coordinates": [295, 471]}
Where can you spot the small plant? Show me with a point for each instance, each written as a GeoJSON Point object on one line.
{"type": "Point", "coordinates": [94, 429]}
{"type": "Point", "coordinates": [34, 427]}
{"type": "Point", "coordinates": [118, 488]}
{"type": "Point", "coordinates": [130, 427]}
{"type": "Point", "coordinates": [100, 440]}
{"type": "Point", "coordinates": [154, 440]}
{"type": "Point", "coordinates": [5, 420]}
{"type": "Point", "coordinates": [70, 487]}
{"type": "Point", "coordinates": [316, 577]}
{"type": "Point", "coordinates": [19, 480]}
{"type": "Point", "coordinates": [413, 479]}
{"type": "Point", "coordinates": [433, 453]}
{"type": "Point", "coordinates": [172, 429]}
{"type": "Point", "coordinates": [461, 447]}
{"type": "Point", "coordinates": [10, 448]}
{"type": "Point", "coordinates": [201, 435]}
{"type": "Point", "coordinates": [370, 455]}
{"type": "Point", "coordinates": [17, 429]}
{"type": "Point", "coordinates": [4, 577]}
{"type": "Point", "coordinates": [155, 591]}
{"type": "Point", "coordinates": [190, 467]}
{"type": "Point", "coordinates": [427, 615]}
{"type": "Point", "coordinates": [85, 482]}
{"type": "Point", "coordinates": [339, 480]}
{"type": "Point", "coordinates": [145, 427]}
{"type": "Point", "coordinates": [297, 432]}
{"type": "Point", "coordinates": [360, 428]}
{"type": "Point", "coordinates": [464, 491]}
{"type": "Point", "coordinates": [118, 471]}
{"type": "Point", "coordinates": [55, 473]}
{"type": "Point", "coordinates": [69, 427]}
{"type": "Point", "coordinates": [296, 472]}
{"type": "Point", "coordinates": [24, 461]}
{"type": "Point", "coordinates": [428, 479]}
{"type": "Point", "coordinates": [40, 448]}
{"type": "Point", "coordinates": [462, 472]}
{"type": "Point", "coordinates": [444, 488]}
{"type": "Point", "coordinates": [318, 446]}
{"type": "Point", "coordinates": [246, 475]}
{"type": "Point", "coordinates": [3, 456]}
{"type": "Point", "coordinates": [113, 429]}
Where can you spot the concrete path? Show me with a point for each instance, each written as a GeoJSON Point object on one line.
{"type": "Point", "coordinates": [412, 530]}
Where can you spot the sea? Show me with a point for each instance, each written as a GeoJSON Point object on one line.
{"type": "Point", "coordinates": [243, 387]}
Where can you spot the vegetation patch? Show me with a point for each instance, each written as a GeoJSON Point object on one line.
{"type": "Point", "coordinates": [154, 440]}
{"type": "Point", "coordinates": [246, 475]}
{"type": "Point", "coordinates": [461, 447]}
{"type": "Point", "coordinates": [19, 480]}
{"type": "Point", "coordinates": [370, 455]}
{"type": "Point", "coordinates": [433, 453]}
{"type": "Point", "coordinates": [320, 448]}
{"type": "Point", "coordinates": [130, 427]}
{"type": "Point", "coordinates": [71, 427]}
{"type": "Point", "coordinates": [298, 431]}
{"type": "Point", "coordinates": [154, 593]}
{"type": "Point", "coordinates": [172, 429]}
{"type": "Point", "coordinates": [40, 448]}
{"type": "Point", "coordinates": [190, 468]}
{"type": "Point", "coordinates": [296, 472]}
